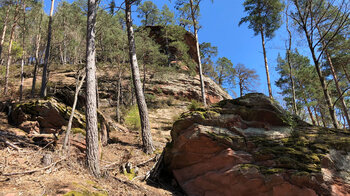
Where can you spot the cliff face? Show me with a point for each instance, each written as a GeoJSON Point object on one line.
{"type": "Point", "coordinates": [156, 32]}
{"type": "Point", "coordinates": [251, 146]}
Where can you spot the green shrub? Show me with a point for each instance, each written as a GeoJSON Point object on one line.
{"type": "Point", "coordinates": [132, 118]}
{"type": "Point", "coordinates": [195, 105]}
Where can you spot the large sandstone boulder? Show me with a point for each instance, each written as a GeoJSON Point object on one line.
{"type": "Point", "coordinates": [48, 113]}
{"type": "Point", "coordinates": [251, 146]}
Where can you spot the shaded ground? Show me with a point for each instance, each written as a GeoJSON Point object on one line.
{"type": "Point", "coordinates": [70, 174]}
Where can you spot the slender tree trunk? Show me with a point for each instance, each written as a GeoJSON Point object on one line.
{"type": "Point", "coordinates": [9, 58]}
{"type": "Point", "coordinates": [317, 119]}
{"type": "Point", "coordinates": [78, 86]}
{"type": "Point", "coordinates": [310, 41]}
{"type": "Point", "coordinates": [266, 65]}
{"type": "Point", "coordinates": [92, 148]}
{"type": "Point", "coordinates": [144, 78]}
{"type": "Point", "coordinates": [340, 93]}
{"type": "Point", "coordinates": [143, 111]}
{"type": "Point", "coordinates": [119, 84]}
{"type": "Point", "coordinates": [64, 41]}
{"type": "Point", "coordinates": [23, 52]}
{"type": "Point", "coordinates": [198, 53]}
{"type": "Point", "coordinates": [241, 88]}
{"type": "Point", "coordinates": [295, 110]}
{"type": "Point", "coordinates": [323, 118]}
{"type": "Point", "coordinates": [346, 72]}
{"type": "Point", "coordinates": [44, 81]}
{"type": "Point", "coordinates": [4, 31]}
{"type": "Point", "coordinates": [37, 59]}
{"type": "Point", "coordinates": [328, 98]}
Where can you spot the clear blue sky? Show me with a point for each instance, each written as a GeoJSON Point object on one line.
{"type": "Point", "coordinates": [219, 22]}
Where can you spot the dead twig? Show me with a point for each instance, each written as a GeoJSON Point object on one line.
{"type": "Point", "coordinates": [149, 160]}
{"type": "Point", "coordinates": [35, 170]}
{"type": "Point", "coordinates": [135, 186]}
{"type": "Point", "coordinates": [10, 144]}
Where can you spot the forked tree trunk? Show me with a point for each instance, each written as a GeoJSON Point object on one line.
{"type": "Point", "coordinates": [9, 57]}
{"type": "Point", "coordinates": [44, 81]}
{"type": "Point", "coordinates": [4, 31]}
{"type": "Point", "coordinates": [143, 111]}
{"type": "Point", "coordinates": [266, 65]}
{"type": "Point", "coordinates": [198, 54]}
{"type": "Point", "coordinates": [92, 147]}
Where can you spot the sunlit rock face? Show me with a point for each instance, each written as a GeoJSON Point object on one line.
{"type": "Point", "coordinates": [251, 146]}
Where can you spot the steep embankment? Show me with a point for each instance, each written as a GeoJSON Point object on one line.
{"type": "Point", "coordinates": [33, 138]}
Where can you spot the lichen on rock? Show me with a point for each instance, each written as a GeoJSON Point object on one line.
{"type": "Point", "coordinates": [251, 146]}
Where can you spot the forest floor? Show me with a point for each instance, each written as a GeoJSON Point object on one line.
{"type": "Point", "coordinates": [67, 174]}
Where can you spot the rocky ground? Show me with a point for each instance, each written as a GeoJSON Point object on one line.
{"type": "Point", "coordinates": [30, 168]}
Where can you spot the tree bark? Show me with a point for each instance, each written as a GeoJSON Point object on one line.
{"type": "Point", "coordinates": [78, 86]}
{"type": "Point", "coordinates": [195, 30]}
{"type": "Point", "coordinates": [317, 119]}
{"type": "Point", "coordinates": [92, 148]}
{"type": "Point", "coordinates": [119, 85]}
{"type": "Point", "coordinates": [23, 52]}
{"type": "Point", "coordinates": [44, 81]}
{"type": "Point", "coordinates": [4, 32]}
{"type": "Point", "coordinates": [241, 88]}
{"type": "Point", "coordinates": [295, 110]}
{"type": "Point", "coordinates": [340, 93]}
{"type": "Point", "coordinates": [265, 61]}
{"type": "Point", "coordinates": [143, 111]}
{"type": "Point", "coordinates": [37, 60]}
{"type": "Point", "coordinates": [9, 58]}
{"type": "Point", "coordinates": [309, 37]}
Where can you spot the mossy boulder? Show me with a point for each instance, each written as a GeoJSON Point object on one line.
{"type": "Point", "coordinates": [251, 146]}
{"type": "Point", "coordinates": [50, 113]}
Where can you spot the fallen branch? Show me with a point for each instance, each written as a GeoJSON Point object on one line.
{"type": "Point", "coordinates": [149, 160]}
{"type": "Point", "coordinates": [135, 186]}
{"type": "Point", "coordinates": [35, 170]}
{"type": "Point", "coordinates": [10, 144]}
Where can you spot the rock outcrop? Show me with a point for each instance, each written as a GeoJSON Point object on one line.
{"type": "Point", "coordinates": [182, 86]}
{"type": "Point", "coordinates": [44, 116]}
{"type": "Point", "coordinates": [251, 146]}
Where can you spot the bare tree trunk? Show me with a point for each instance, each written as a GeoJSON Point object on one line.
{"type": "Point", "coordinates": [241, 88]}
{"type": "Point", "coordinates": [198, 53]}
{"type": "Point", "coordinates": [44, 81]}
{"type": "Point", "coordinates": [4, 31]}
{"type": "Point", "coordinates": [143, 111]}
{"type": "Point", "coordinates": [78, 86]}
{"type": "Point", "coordinates": [266, 65]}
{"type": "Point", "coordinates": [37, 60]}
{"type": "Point", "coordinates": [92, 148]}
{"type": "Point", "coordinates": [23, 52]}
{"type": "Point", "coordinates": [9, 58]}
{"type": "Point", "coordinates": [119, 85]}
{"type": "Point", "coordinates": [340, 93]}
{"type": "Point", "coordinates": [317, 119]}
{"type": "Point", "coordinates": [322, 117]}
{"type": "Point", "coordinates": [64, 41]}
{"type": "Point", "coordinates": [295, 110]}
{"type": "Point", "coordinates": [346, 72]}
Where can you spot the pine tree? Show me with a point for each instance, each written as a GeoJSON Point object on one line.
{"type": "Point", "coordinates": [92, 150]}
{"type": "Point", "coordinates": [149, 12]}
{"type": "Point", "coordinates": [142, 106]}
{"type": "Point", "coordinates": [264, 17]}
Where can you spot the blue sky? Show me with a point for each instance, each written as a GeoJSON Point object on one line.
{"type": "Point", "coordinates": [219, 21]}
